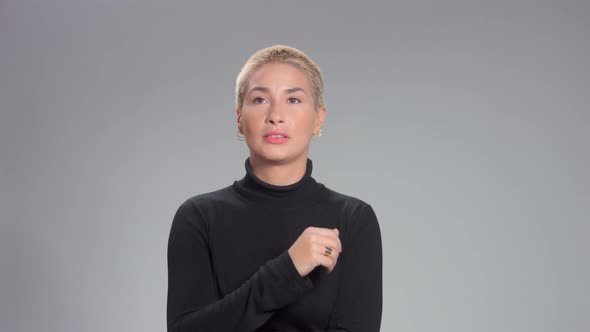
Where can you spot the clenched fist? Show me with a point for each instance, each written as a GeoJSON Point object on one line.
{"type": "Point", "coordinates": [309, 250]}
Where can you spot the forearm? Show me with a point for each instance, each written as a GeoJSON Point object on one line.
{"type": "Point", "coordinates": [273, 286]}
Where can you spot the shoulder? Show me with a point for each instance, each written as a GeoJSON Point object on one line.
{"type": "Point", "coordinates": [349, 204]}
{"type": "Point", "coordinates": [192, 211]}
{"type": "Point", "coordinates": [204, 201]}
{"type": "Point", "coordinates": [357, 215]}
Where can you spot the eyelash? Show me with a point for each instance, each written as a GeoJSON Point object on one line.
{"type": "Point", "coordinates": [298, 101]}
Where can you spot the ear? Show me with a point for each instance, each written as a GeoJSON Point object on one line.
{"type": "Point", "coordinates": [239, 117]}
{"type": "Point", "coordinates": [320, 116]}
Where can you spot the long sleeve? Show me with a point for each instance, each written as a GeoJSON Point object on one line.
{"type": "Point", "coordinates": [193, 302]}
{"type": "Point", "coordinates": [360, 300]}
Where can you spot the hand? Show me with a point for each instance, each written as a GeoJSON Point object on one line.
{"type": "Point", "coordinates": [308, 250]}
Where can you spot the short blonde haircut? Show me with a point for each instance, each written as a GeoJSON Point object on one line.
{"type": "Point", "coordinates": [283, 54]}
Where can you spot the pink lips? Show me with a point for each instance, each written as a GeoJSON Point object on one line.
{"type": "Point", "coordinates": [276, 139]}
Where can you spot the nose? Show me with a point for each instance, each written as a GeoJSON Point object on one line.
{"type": "Point", "coordinates": [275, 114]}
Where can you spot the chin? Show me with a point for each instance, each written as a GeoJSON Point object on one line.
{"type": "Point", "coordinates": [275, 156]}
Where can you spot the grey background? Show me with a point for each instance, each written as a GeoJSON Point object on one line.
{"type": "Point", "coordinates": [465, 124]}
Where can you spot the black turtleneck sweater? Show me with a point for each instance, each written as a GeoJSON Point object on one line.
{"type": "Point", "coordinates": [229, 268]}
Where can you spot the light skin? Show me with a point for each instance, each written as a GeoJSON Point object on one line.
{"type": "Point", "coordinates": [279, 98]}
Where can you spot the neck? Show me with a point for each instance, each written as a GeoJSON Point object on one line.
{"type": "Point", "coordinates": [279, 173]}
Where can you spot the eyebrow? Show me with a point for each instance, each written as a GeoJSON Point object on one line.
{"type": "Point", "coordinates": [265, 89]}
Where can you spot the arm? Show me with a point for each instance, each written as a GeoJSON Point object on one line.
{"type": "Point", "coordinates": [193, 302]}
{"type": "Point", "coordinates": [360, 298]}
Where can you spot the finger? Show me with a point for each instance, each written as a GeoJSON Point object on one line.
{"type": "Point", "coordinates": [316, 237]}
{"type": "Point", "coordinates": [336, 244]}
{"type": "Point", "coordinates": [326, 241]}
{"type": "Point", "coordinates": [323, 231]}
{"type": "Point", "coordinates": [330, 254]}
{"type": "Point", "coordinates": [325, 261]}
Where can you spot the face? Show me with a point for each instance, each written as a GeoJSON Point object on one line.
{"type": "Point", "coordinates": [278, 98]}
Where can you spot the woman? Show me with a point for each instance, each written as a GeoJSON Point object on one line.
{"type": "Point", "coordinates": [276, 250]}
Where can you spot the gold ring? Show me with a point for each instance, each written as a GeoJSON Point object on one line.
{"type": "Point", "coordinates": [328, 251]}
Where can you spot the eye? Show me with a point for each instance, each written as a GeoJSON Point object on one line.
{"type": "Point", "coordinates": [293, 98]}
{"type": "Point", "coordinates": [255, 99]}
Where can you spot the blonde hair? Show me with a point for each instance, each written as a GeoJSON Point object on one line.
{"type": "Point", "coordinates": [283, 54]}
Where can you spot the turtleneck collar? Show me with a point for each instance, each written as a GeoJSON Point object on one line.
{"type": "Point", "coordinates": [303, 192]}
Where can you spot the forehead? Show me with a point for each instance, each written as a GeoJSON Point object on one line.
{"type": "Point", "coordinates": [279, 74]}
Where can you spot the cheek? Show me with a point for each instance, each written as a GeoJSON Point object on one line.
{"type": "Point", "coordinates": [309, 124]}
{"type": "Point", "coordinates": [250, 122]}
{"type": "Point", "coordinates": [304, 128]}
